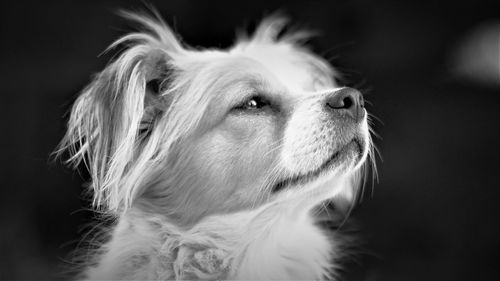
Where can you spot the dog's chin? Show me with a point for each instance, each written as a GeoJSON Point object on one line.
{"type": "Point", "coordinates": [347, 156]}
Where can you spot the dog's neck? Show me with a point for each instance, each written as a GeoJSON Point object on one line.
{"type": "Point", "coordinates": [269, 243]}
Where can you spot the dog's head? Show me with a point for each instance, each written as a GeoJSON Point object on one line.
{"type": "Point", "coordinates": [191, 132]}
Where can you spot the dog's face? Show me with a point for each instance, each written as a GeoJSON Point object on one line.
{"type": "Point", "coordinates": [225, 131]}
{"type": "Point", "coordinates": [268, 129]}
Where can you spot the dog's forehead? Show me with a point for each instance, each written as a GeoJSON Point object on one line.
{"type": "Point", "coordinates": [290, 67]}
{"type": "Point", "coordinates": [284, 66]}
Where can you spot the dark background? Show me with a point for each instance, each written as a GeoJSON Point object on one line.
{"type": "Point", "coordinates": [433, 214]}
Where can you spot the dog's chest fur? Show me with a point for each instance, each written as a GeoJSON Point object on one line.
{"type": "Point", "coordinates": [263, 245]}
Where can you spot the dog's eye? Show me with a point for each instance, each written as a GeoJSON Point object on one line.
{"type": "Point", "coordinates": [255, 102]}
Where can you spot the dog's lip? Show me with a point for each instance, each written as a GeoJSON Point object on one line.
{"type": "Point", "coordinates": [308, 177]}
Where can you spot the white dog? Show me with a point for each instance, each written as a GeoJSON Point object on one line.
{"type": "Point", "coordinates": [213, 161]}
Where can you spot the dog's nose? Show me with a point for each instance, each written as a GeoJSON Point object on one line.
{"type": "Point", "coordinates": [348, 101]}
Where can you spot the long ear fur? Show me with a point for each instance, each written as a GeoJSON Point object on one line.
{"type": "Point", "coordinates": [106, 120]}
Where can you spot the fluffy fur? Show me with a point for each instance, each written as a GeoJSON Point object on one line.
{"type": "Point", "coordinates": [213, 161]}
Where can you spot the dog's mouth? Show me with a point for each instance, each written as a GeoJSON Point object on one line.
{"type": "Point", "coordinates": [326, 166]}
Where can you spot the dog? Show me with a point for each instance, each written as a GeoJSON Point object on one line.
{"type": "Point", "coordinates": [213, 162]}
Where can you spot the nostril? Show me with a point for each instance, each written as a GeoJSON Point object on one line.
{"type": "Point", "coordinates": [347, 102]}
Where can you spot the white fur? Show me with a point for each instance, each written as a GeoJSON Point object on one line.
{"type": "Point", "coordinates": [188, 174]}
{"type": "Point", "coordinates": [265, 244]}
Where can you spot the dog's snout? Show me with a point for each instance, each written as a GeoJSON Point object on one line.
{"type": "Point", "coordinates": [347, 100]}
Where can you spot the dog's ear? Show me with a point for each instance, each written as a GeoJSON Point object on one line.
{"type": "Point", "coordinates": [112, 117]}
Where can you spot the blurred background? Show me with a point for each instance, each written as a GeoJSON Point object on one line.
{"type": "Point", "coordinates": [430, 70]}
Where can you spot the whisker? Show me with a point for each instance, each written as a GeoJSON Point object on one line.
{"type": "Point", "coordinates": [372, 117]}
